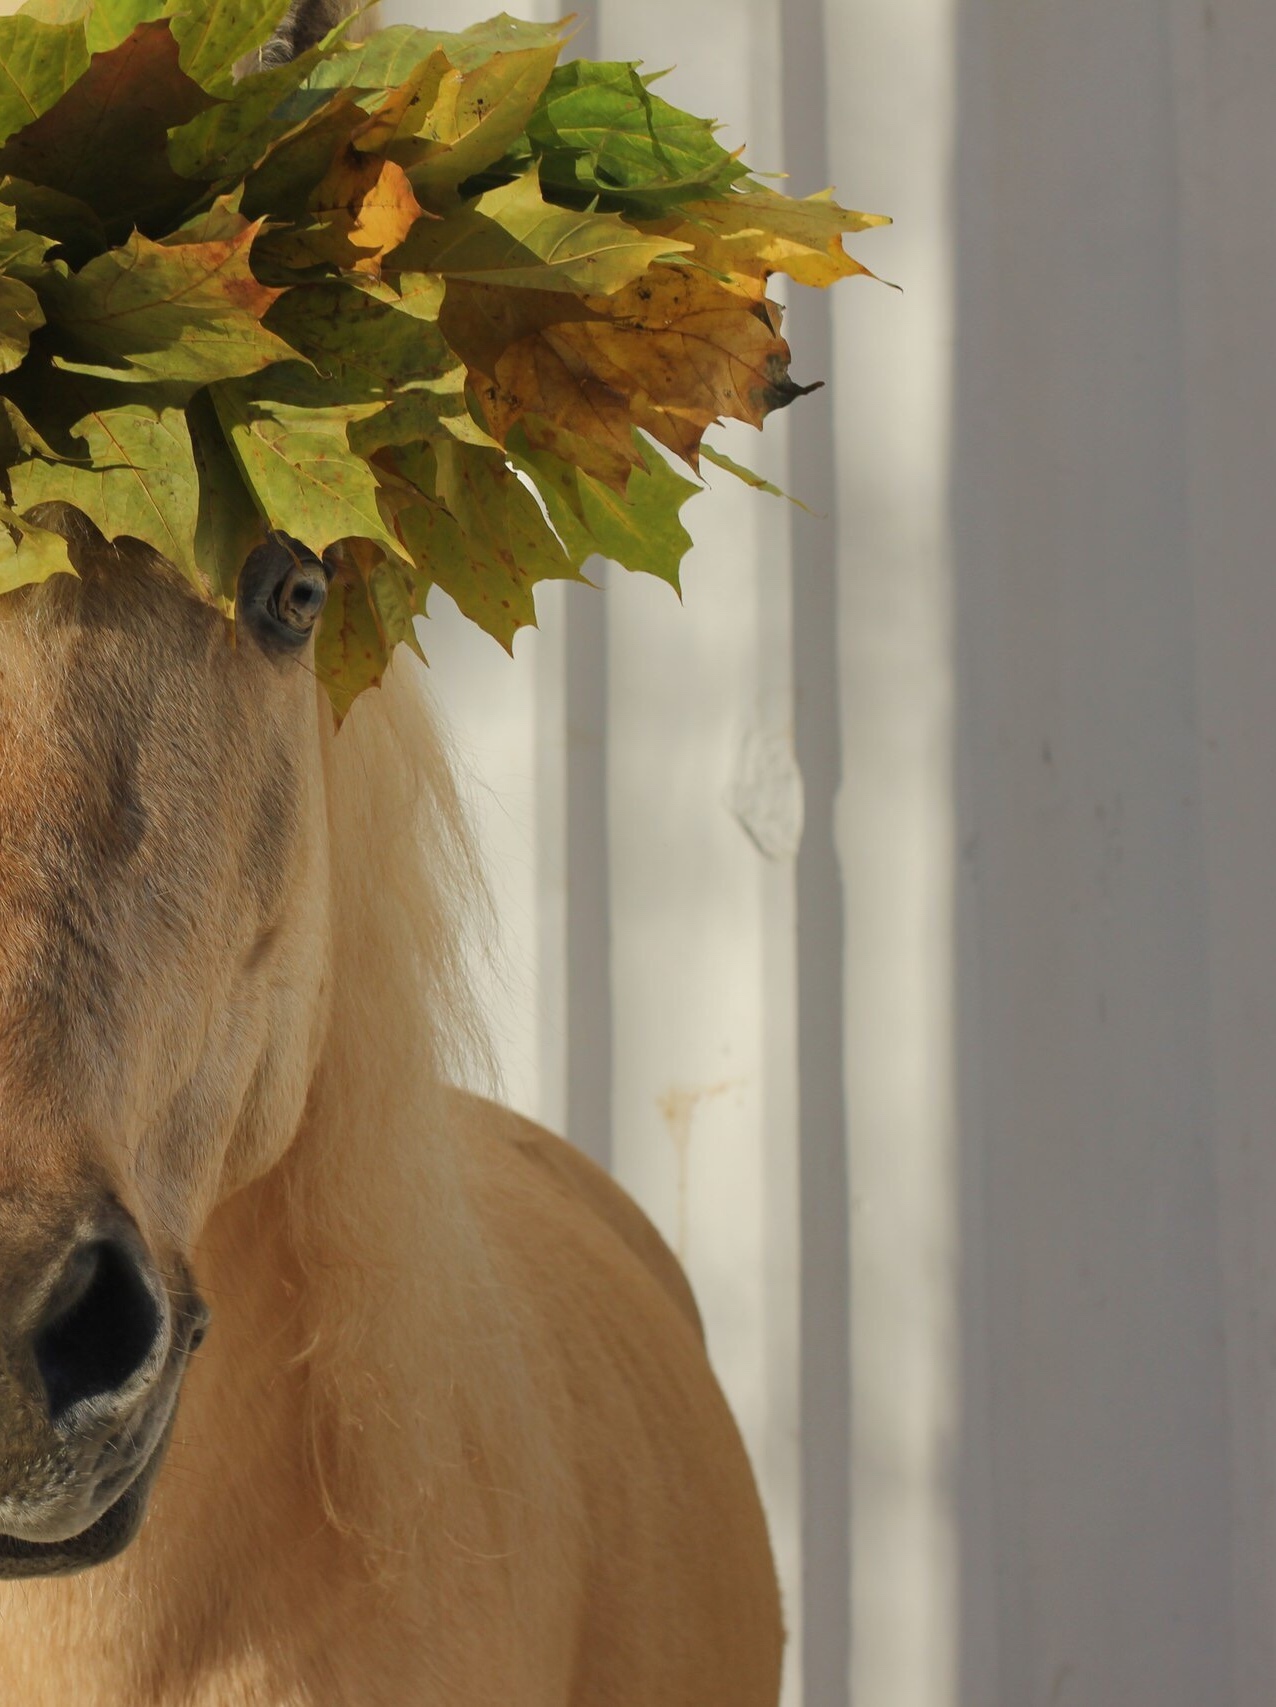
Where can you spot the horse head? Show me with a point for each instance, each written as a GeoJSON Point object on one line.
{"type": "Point", "coordinates": [164, 947]}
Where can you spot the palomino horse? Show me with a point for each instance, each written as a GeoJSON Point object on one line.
{"type": "Point", "coordinates": [453, 1439]}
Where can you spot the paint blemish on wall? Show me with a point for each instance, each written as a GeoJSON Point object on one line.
{"type": "Point", "coordinates": [678, 1111]}
{"type": "Point", "coordinates": [766, 793]}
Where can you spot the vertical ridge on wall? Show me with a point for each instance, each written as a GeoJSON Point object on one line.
{"type": "Point", "coordinates": [588, 856]}
{"type": "Point", "coordinates": [824, 1355]}
{"type": "Point", "coordinates": [588, 845]}
{"type": "Point", "coordinates": [649, 1006]}
{"type": "Point", "coordinates": [891, 138]}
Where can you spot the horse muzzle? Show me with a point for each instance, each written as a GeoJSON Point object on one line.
{"type": "Point", "coordinates": [93, 1363]}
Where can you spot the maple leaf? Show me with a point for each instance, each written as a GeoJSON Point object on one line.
{"type": "Point", "coordinates": [138, 478]}
{"type": "Point", "coordinates": [269, 107]}
{"type": "Point", "coordinates": [602, 132]}
{"type": "Point", "coordinates": [360, 209]}
{"type": "Point", "coordinates": [514, 238]}
{"type": "Point", "coordinates": [214, 35]}
{"type": "Point", "coordinates": [422, 302]}
{"type": "Point", "coordinates": [105, 23]}
{"type": "Point", "coordinates": [20, 315]}
{"type": "Point", "coordinates": [372, 349]}
{"type": "Point", "coordinates": [39, 62]}
{"type": "Point", "coordinates": [638, 528]}
{"type": "Point", "coordinates": [220, 222]}
{"type": "Point", "coordinates": [22, 252]}
{"type": "Point", "coordinates": [228, 523]}
{"type": "Point", "coordinates": [19, 439]}
{"type": "Point", "coordinates": [104, 141]}
{"type": "Point", "coordinates": [21, 256]}
{"type": "Point", "coordinates": [291, 172]}
{"type": "Point", "coordinates": [756, 232]}
{"type": "Point", "coordinates": [29, 553]}
{"type": "Point", "coordinates": [610, 460]}
{"type": "Point", "coordinates": [672, 353]}
{"type": "Point", "coordinates": [166, 311]}
{"type": "Point", "coordinates": [60, 219]}
{"type": "Point", "coordinates": [466, 519]}
{"type": "Point", "coordinates": [298, 466]}
{"type": "Point", "coordinates": [710, 453]}
{"type": "Point", "coordinates": [477, 115]}
{"type": "Point", "coordinates": [231, 137]}
{"type": "Point", "coordinates": [371, 603]}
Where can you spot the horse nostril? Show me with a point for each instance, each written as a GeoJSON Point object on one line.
{"type": "Point", "coordinates": [103, 1326]}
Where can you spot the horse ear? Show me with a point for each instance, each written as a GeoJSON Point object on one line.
{"type": "Point", "coordinates": [305, 23]}
{"type": "Point", "coordinates": [87, 544]}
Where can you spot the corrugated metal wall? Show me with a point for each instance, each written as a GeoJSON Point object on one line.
{"type": "Point", "coordinates": [641, 809]}
{"type": "Point", "coordinates": [960, 1104]}
{"type": "Point", "coordinates": [961, 1107]}
{"type": "Point", "coordinates": [895, 917]}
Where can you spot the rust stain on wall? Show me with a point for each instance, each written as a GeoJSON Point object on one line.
{"type": "Point", "coordinates": [678, 1110]}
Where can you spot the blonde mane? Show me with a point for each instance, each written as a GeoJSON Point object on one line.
{"type": "Point", "coordinates": [397, 1281]}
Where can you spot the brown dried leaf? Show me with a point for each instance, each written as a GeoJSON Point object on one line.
{"type": "Point", "coordinates": [105, 143]}
{"type": "Point", "coordinates": [672, 353]}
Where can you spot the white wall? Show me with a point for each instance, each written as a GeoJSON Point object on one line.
{"type": "Point", "coordinates": [648, 1000]}
{"type": "Point", "coordinates": [964, 1114]}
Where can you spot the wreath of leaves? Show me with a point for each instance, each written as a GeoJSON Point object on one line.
{"type": "Point", "coordinates": [382, 298]}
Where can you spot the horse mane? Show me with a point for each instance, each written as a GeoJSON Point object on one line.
{"type": "Point", "coordinates": [411, 1339]}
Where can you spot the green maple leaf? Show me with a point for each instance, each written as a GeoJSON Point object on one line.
{"type": "Point", "coordinates": [138, 478]}
{"type": "Point", "coordinates": [21, 257]}
{"type": "Point", "coordinates": [105, 23]}
{"type": "Point", "coordinates": [235, 135]}
{"type": "Point", "coordinates": [371, 349]}
{"type": "Point", "coordinates": [19, 439]}
{"type": "Point", "coordinates": [601, 131]}
{"type": "Point", "coordinates": [639, 528]}
{"type": "Point", "coordinates": [162, 311]}
{"type": "Point", "coordinates": [20, 316]}
{"type": "Point", "coordinates": [22, 252]}
{"type": "Point", "coordinates": [514, 238]}
{"type": "Point", "coordinates": [478, 118]}
{"type": "Point", "coordinates": [28, 553]}
{"type": "Point", "coordinates": [297, 463]}
{"type": "Point", "coordinates": [39, 62]}
{"type": "Point", "coordinates": [372, 603]}
{"type": "Point", "coordinates": [214, 35]}
{"type": "Point", "coordinates": [469, 523]}
{"type": "Point", "coordinates": [54, 217]}
{"type": "Point", "coordinates": [228, 523]}
{"type": "Point", "coordinates": [710, 453]}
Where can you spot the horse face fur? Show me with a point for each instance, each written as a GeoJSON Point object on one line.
{"type": "Point", "coordinates": [164, 942]}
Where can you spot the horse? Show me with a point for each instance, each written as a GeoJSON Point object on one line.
{"type": "Point", "coordinates": [323, 1383]}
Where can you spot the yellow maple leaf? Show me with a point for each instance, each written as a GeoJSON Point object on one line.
{"type": "Point", "coordinates": [758, 232]}
{"type": "Point", "coordinates": [366, 201]}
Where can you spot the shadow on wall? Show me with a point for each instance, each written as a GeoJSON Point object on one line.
{"type": "Point", "coordinates": [1093, 1477]}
